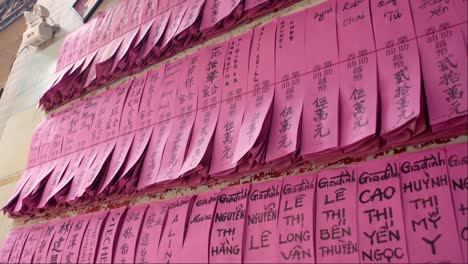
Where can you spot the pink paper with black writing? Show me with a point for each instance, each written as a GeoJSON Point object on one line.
{"type": "Point", "coordinates": [321, 108]}
{"type": "Point", "coordinates": [227, 232]}
{"type": "Point", "coordinates": [89, 244]}
{"type": "Point", "coordinates": [261, 229]}
{"type": "Point", "coordinates": [129, 234]}
{"type": "Point", "coordinates": [8, 244]}
{"type": "Point", "coordinates": [215, 11]}
{"type": "Point", "coordinates": [172, 238]}
{"type": "Point", "coordinates": [358, 72]}
{"type": "Point", "coordinates": [17, 250]}
{"type": "Point", "coordinates": [444, 68]}
{"type": "Point", "coordinates": [260, 92]}
{"type": "Point", "coordinates": [44, 243]}
{"type": "Point", "coordinates": [185, 112]}
{"type": "Point", "coordinates": [232, 107]}
{"type": "Point", "coordinates": [457, 160]}
{"type": "Point", "coordinates": [337, 217]}
{"type": "Point", "coordinates": [162, 116]}
{"type": "Point", "coordinates": [31, 243]}
{"type": "Point", "coordinates": [296, 220]}
{"type": "Point", "coordinates": [399, 70]}
{"type": "Point", "coordinates": [209, 104]}
{"type": "Point", "coordinates": [58, 242]}
{"type": "Point", "coordinates": [197, 238]}
{"type": "Point", "coordinates": [108, 239]}
{"type": "Point", "coordinates": [427, 208]}
{"type": "Point", "coordinates": [72, 247]}
{"type": "Point", "coordinates": [382, 235]}
{"type": "Point", "coordinates": [284, 140]}
{"type": "Point", "coordinates": [151, 232]}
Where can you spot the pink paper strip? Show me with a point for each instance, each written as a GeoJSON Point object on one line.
{"type": "Point", "coordinates": [296, 220]}
{"type": "Point", "coordinates": [197, 238]}
{"type": "Point", "coordinates": [191, 15]}
{"type": "Point", "coordinates": [129, 234]}
{"type": "Point", "coordinates": [427, 206]}
{"type": "Point", "coordinates": [17, 250]}
{"type": "Point", "coordinates": [209, 98]}
{"type": "Point", "coordinates": [358, 72]}
{"type": "Point", "coordinates": [215, 11]}
{"type": "Point", "coordinates": [172, 238]}
{"type": "Point", "coordinates": [110, 234]}
{"type": "Point", "coordinates": [53, 181]}
{"type": "Point", "coordinates": [284, 141]}
{"type": "Point", "coordinates": [8, 244]}
{"type": "Point", "coordinates": [260, 92]}
{"type": "Point", "coordinates": [382, 235]}
{"type": "Point", "coordinates": [232, 108]}
{"type": "Point", "coordinates": [444, 68]}
{"type": "Point", "coordinates": [227, 233]}
{"type": "Point", "coordinates": [173, 24]}
{"type": "Point", "coordinates": [321, 108]}
{"type": "Point", "coordinates": [151, 232]}
{"type": "Point", "coordinates": [147, 113]}
{"type": "Point", "coordinates": [337, 219]}
{"type": "Point", "coordinates": [120, 154]}
{"type": "Point", "coordinates": [58, 242]}
{"type": "Point", "coordinates": [43, 245]}
{"type": "Point", "coordinates": [72, 247]}
{"type": "Point", "coordinates": [162, 116]}
{"type": "Point", "coordinates": [89, 245]}
{"type": "Point", "coordinates": [261, 230]}
{"type": "Point", "coordinates": [181, 129]}
{"type": "Point", "coordinates": [457, 160]}
{"type": "Point", "coordinates": [398, 59]}
{"type": "Point", "coordinates": [31, 243]}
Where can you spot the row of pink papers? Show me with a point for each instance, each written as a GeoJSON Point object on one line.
{"type": "Point", "coordinates": [206, 116]}
{"type": "Point", "coordinates": [135, 33]}
{"type": "Point", "coordinates": [409, 208]}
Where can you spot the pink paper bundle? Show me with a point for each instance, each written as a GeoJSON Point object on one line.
{"type": "Point", "coordinates": [187, 33]}
{"type": "Point", "coordinates": [209, 97]}
{"type": "Point", "coordinates": [431, 232]}
{"type": "Point", "coordinates": [401, 99]}
{"type": "Point", "coordinates": [90, 242]}
{"type": "Point", "coordinates": [284, 134]}
{"type": "Point", "coordinates": [200, 220]}
{"type": "Point", "coordinates": [320, 117]}
{"type": "Point", "coordinates": [275, 96]}
{"type": "Point", "coordinates": [161, 112]}
{"type": "Point", "coordinates": [227, 233]}
{"type": "Point", "coordinates": [35, 233]}
{"type": "Point", "coordinates": [457, 161]}
{"type": "Point", "coordinates": [261, 227]}
{"type": "Point", "coordinates": [134, 34]}
{"type": "Point", "coordinates": [232, 106]}
{"type": "Point", "coordinates": [358, 78]}
{"type": "Point", "coordinates": [183, 121]}
{"type": "Point", "coordinates": [443, 52]}
{"type": "Point", "coordinates": [253, 135]}
{"type": "Point", "coordinates": [19, 244]}
{"type": "Point", "coordinates": [296, 220]}
{"type": "Point", "coordinates": [151, 232]}
{"type": "Point", "coordinates": [172, 238]}
{"type": "Point", "coordinates": [380, 212]}
{"type": "Point", "coordinates": [72, 246]}
{"type": "Point", "coordinates": [218, 15]}
{"type": "Point", "coordinates": [337, 216]}
{"type": "Point", "coordinates": [400, 209]}
{"type": "Point", "coordinates": [129, 235]}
